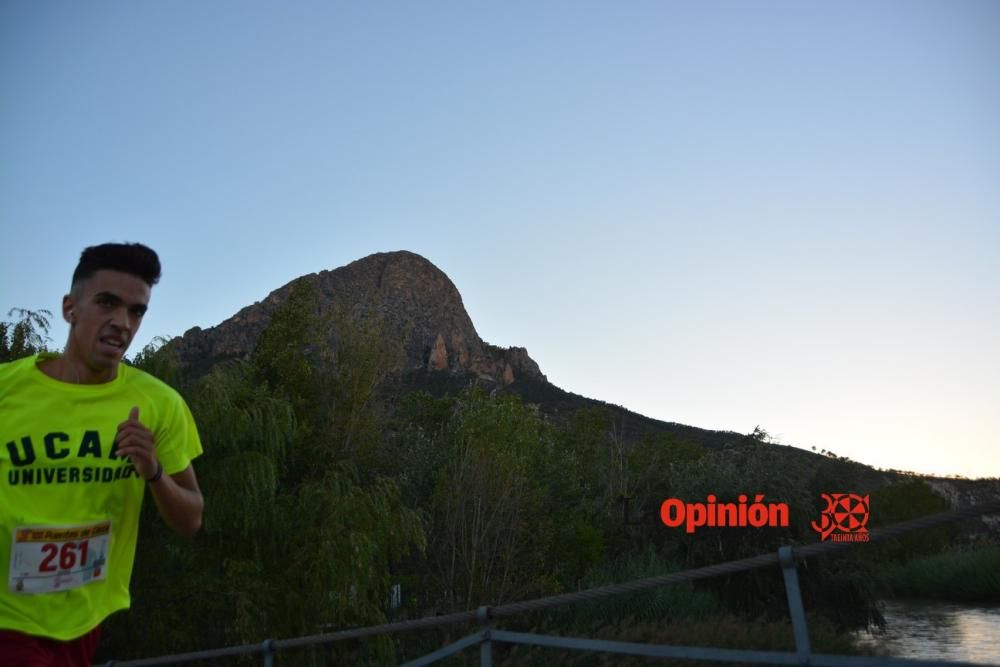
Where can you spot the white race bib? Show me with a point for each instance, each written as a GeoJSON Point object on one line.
{"type": "Point", "coordinates": [49, 559]}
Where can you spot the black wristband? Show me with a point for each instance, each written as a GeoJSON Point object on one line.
{"type": "Point", "coordinates": [159, 473]}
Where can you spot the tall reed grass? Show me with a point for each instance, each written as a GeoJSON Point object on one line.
{"type": "Point", "coordinates": [961, 575]}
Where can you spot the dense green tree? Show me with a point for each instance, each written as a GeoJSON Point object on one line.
{"type": "Point", "coordinates": [296, 540]}
{"type": "Point", "coordinates": [332, 366]}
{"type": "Point", "coordinates": [577, 501]}
{"type": "Point", "coordinates": [290, 355]}
{"type": "Point", "coordinates": [904, 500]}
{"type": "Point", "coordinates": [487, 531]}
{"type": "Point", "coordinates": [27, 335]}
{"type": "Point", "coordinates": [157, 358]}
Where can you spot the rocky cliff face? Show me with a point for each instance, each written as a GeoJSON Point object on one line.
{"type": "Point", "coordinates": [418, 304]}
{"type": "Point", "coordinates": [963, 493]}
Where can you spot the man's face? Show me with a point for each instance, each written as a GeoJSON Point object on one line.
{"type": "Point", "coordinates": [104, 312]}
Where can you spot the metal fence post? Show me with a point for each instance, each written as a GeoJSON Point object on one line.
{"type": "Point", "coordinates": [269, 651]}
{"type": "Point", "coordinates": [795, 607]}
{"type": "Point", "coordinates": [486, 646]}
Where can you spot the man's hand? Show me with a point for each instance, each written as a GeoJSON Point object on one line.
{"type": "Point", "coordinates": [138, 443]}
{"type": "Point", "coordinates": [177, 496]}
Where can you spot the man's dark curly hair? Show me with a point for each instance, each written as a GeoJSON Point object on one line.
{"type": "Point", "coordinates": [133, 258]}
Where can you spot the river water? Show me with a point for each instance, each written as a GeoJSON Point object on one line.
{"type": "Point", "coordinates": [939, 631]}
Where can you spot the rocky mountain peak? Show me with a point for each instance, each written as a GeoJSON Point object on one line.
{"type": "Point", "coordinates": [418, 304]}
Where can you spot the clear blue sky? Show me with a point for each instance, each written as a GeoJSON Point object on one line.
{"type": "Point", "coordinates": [723, 214]}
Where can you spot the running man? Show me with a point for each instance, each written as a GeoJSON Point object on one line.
{"type": "Point", "coordinates": [82, 435]}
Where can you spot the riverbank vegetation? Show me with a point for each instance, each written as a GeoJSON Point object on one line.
{"type": "Point", "coordinates": [928, 563]}
{"type": "Point", "coordinates": [963, 574]}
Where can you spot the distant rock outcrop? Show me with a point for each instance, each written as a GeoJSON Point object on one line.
{"type": "Point", "coordinates": [416, 301]}
{"type": "Point", "coordinates": [964, 493]}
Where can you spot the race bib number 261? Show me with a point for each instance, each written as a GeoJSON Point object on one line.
{"type": "Point", "coordinates": [49, 559]}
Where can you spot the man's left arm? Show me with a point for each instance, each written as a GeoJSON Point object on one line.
{"type": "Point", "coordinates": [179, 500]}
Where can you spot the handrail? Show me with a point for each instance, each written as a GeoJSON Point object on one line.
{"type": "Point", "coordinates": [786, 557]}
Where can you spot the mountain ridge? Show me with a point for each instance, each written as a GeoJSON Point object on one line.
{"type": "Point", "coordinates": [443, 352]}
{"type": "Point", "coordinates": [417, 301]}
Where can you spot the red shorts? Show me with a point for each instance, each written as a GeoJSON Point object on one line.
{"type": "Point", "coordinates": [24, 650]}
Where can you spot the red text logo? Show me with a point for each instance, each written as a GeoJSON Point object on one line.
{"type": "Point", "coordinates": [844, 519]}
{"type": "Point", "coordinates": [675, 513]}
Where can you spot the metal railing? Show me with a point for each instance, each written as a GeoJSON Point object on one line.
{"type": "Point", "coordinates": [487, 635]}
